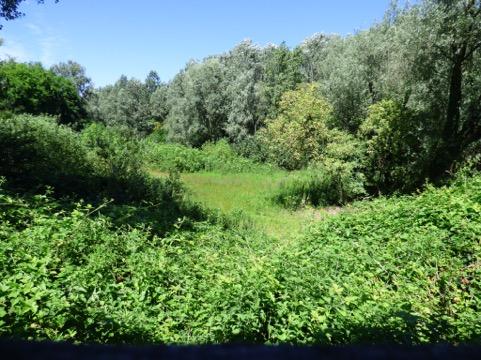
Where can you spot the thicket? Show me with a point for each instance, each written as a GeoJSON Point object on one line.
{"type": "Point", "coordinates": [408, 271]}
{"type": "Point", "coordinates": [102, 165]}
{"type": "Point", "coordinates": [402, 270]}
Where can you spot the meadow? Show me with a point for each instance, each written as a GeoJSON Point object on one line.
{"type": "Point", "coordinates": [248, 196]}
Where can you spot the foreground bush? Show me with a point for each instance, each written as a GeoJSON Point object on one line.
{"type": "Point", "coordinates": [403, 270]}
{"type": "Point", "coordinates": [72, 275]}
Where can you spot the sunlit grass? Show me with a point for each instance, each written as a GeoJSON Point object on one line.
{"type": "Point", "coordinates": [249, 193]}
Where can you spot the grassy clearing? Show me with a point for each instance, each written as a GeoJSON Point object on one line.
{"type": "Point", "coordinates": [249, 194]}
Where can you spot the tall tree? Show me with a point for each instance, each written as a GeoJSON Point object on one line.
{"type": "Point", "coordinates": [76, 73]}
{"type": "Point", "coordinates": [248, 106]}
{"type": "Point", "coordinates": [458, 33]}
{"type": "Point", "coordinates": [198, 104]}
{"type": "Point", "coordinates": [152, 81]}
{"type": "Point", "coordinates": [126, 103]}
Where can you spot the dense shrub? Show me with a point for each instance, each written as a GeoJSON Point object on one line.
{"type": "Point", "coordinates": [398, 147]}
{"type": "Point", "coordinates": [36, 151]}
{"type": "Point", "coordinates": [118, 158]}
{"type": "Point", "coordinates": [99, 163]}
{"type": "Point", "coordinates": [211, 157]}
{"type": "Point", "coordinates": [252, 147]}
{"type": "Point", "coordinates": [72, 275]}
{"type": "Point", "coordinates": [323, 185]}
{"type": "Point", "coordinates": [335, 179]}
{"type": "Point", "coordinates": [403, 270]}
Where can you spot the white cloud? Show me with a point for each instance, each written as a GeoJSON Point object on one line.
{"type": "Point", "coordinates": [14, 50]}
{"type": "Point", "coordinates": [42, 44]}
{"type": "Point", "coordinates": [48, 46]}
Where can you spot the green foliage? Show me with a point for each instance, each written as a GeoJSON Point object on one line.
{"type": "Point", "coordinates": [403, 270]}
{"type": "Point", "coordinates": [198, 104]}
{"type": "Point", "coordinates": [138, 262]}
{"type": "Point", "coordinates": [117, 152]}
{"type": "Point", "coordinates": [211, 157]}
{"type": "Point", "coordinates": [70, 275]}
{"type": "Point", "coordinates": [299, 134]}
{"type": "Point", "coordinates": [29, 88]}
{"type": "Point", "coordinates": [246, 91]}
{"type": "Point", "coordinates": [398, 147]}
{"type": "Point", "coordinates": [178, 157]}
{"type": "Point", "coordinates": [330, 183]}
{"type": "Point", "coordinates": [282, 73]}
{"type": "Point", "coordinates": [75, 73]}
{"type": "Point", "coordinates": [252, 147]}
{"type": "Point", "coordinates": [36, 151]}
{"type": "Point", "coordinates": [124, 104]}
{"type": "Point", "coordinates": [100, 162]}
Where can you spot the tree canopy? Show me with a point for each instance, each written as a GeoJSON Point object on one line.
{"type": "Point", "coordinates": [30, 88]}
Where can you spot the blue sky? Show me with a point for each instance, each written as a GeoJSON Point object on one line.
{"type": "Point", "coordinates": [114, 37]}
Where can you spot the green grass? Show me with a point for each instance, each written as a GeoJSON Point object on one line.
{"type": "Point", "coordinates": [250, 194]}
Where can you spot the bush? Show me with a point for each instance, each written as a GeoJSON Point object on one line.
{"type": "Point", "coordinates": [217, 156]}
{"type": "Point", "coordinates": [398, 147]}
{"type": "Point", "coordinates": [326, 184]}
{"type": "Point", "coordinates": [334, 180]}
{"type": "Point", "coordinates": [36, 151]}
{"type": "Point", "coordinates": [252, 147]}
{"type": "Point", "coordinates": [403, 270]}
{"type": "Point", "coordinates": [74, 275]}
{"type": "Point", "coordinates": [99, 162]}
{"type": "Point", "coordinates": [118, 158]}
{"type": "Point", "coordinates": [167, 157]}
